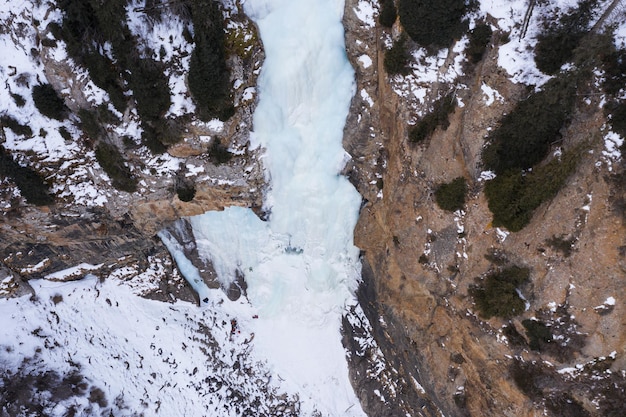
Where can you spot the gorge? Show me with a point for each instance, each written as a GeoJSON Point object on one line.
{"type": "Point", "coordinates": [259, 213]}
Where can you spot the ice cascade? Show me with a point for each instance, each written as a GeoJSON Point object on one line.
{"type": "Point", "coordinates": [301, 265]}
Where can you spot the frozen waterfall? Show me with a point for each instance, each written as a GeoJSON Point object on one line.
{"type": "Point", "coordinates": [301, 265]}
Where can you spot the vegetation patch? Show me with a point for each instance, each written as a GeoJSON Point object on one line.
{"type": "Point", "coordinates": [438, 117]}
{"type": "Point", "coordinates": [556, 45]}
{"type": "Point", "coordinates": [614, 65]}
{"type": "Point", "coordinates": [514, 196]}
{"type": "Point", "coordinates": [218, 153]}
{"type": "Point", "coordinates": [48, 102]}
{"type": "Point", "coordinates": [538, 333]}
{"type": "Point", "coordinates": [89, 28]}
{"type": "Point", "coordinates": [112, 162]}
{"type": "Point", "coordinates": [524, 136]}
{"type": "Point", "coordinates": [396, 61]}
{"type": "Point", "coordinates": [568, 395]}
{"type": "Point", "coordinates": [18, 99]}
{"type": "Point", "coordinates": [518, 148]}
{"type": "Point", "coordinates": [240, 41]}
{"type": "Point", "coordinates": [479, 38]}
{"type": "Point", "coordinates": [65, 134]}
{"type": "Point", "coordinates": [561, 244]}
{"type": "Point", "coordinates": [616, 113]}
{"type": "Point", "coordinates": [17, 128]}
{"type": "Point", "coordinates": [388, 13]}
{"type": "Point", "coordinates": [433, 23]}
{"type": "Point", "coordinates": [33, 390]}
{"type": "Point", "coordinates": [185, 189]}
{"type": "Point", "coordinates": [209, 78]}
{"type": "Point", "coordinates": [32, 186]}
{"type": "Point", "coordinates": [89, 124]}
{"type": "Point", "coordinates": [497, 294]}
{"type": "Point", "coordinates": [451, 196]}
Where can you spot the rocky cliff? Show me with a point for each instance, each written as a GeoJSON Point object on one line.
{"type": "Point", "coordinates": [424, 260]}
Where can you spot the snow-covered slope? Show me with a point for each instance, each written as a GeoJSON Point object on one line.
{"type": "Point", "coordinates": [147, 357]}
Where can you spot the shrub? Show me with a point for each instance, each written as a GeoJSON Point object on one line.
{"type": "Point", "coordinates": [96, 395]}
{"type": "Point", "coordinates": [112, 162]}
{"type": "Point", "coordinates": [186, 190]}
{"type": "Point", "coordinates": [105, 115]}
{"type": "Point", "coordinates": [438, 117]}
{"type": "Point", "coordinates": [514, 196]}
{"type": "Point", "coordinates": [555, 46]}
{"type": "Point", "coordinates": [451, 196]}
{"type": "Point", "coordinates": [15, 126]}
{"type": "Point", "coordinates": [150, 138]}
{"type": "Point", "coordinates": [50, 43]}
{"type": "Point", "coordinates": [497, 294]}
{"type": "Point", "coordinates": [561, 244]}
{"type": "Point", "coordinates": [219, 153]}
{"type": "Point", "coordinates": [159, 134]}
{"type": "Point", "coordinates": [614, 64]}
{"type": "Point", "coordinates": [397, 58]}
{"type": "Point", "coordinates": [563, 404]}
{"type": "Point", "coordinates": [32, 186]}
{"type": "Point", "coordinates": [497, 257]}
{"type": "Point", "coordinates": [616, 112]}
{"type": "Point", "coordinates": [388, 13]}
{"type": "Point", "coordinates": [150, 89]}
{"type": "Point", "coordinates": [19, 100]}
{"type": "Point", "coordinates": [433, 23]}
{"type": "Point", "coordinates": [65, 134]}
{"type": "Point", "coordinates": [48, 102]}
{"type": "Point", "coordinates": [530, 378]}
{"type": "Point", "coordinates": [513, 336]}
{"type": "Point", "coordinates": [479, 38]}
{"type": "Point", "coordinates": [524, 136]}
{"type": "Point", "coordinates": [89, 124]}
{"type": "Point", "coordinates": [537, 332]}
{"type": "Point", "coordinates": [106, 75]}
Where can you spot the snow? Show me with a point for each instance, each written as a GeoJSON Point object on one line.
{"type": "Point", "coordinates": [492, 95]}
{"type": "Point", "coordinates": [144, 354]}
{"type": "Point", "coordinates": [612, 143]}
{"type": "Point", "coordinates": [502, 234]}
{"type": "Point", "coordinates": [248, 94]}
{"type": "Point", "coordinates": [75, 272]}
{"type": "Point", "coordinates": [366, 11]}
{"type": "Point", "coordinates": [516, 56]}
{"type": "Point", "coordinates": [36, 268]}
{"type": "Point", "coordinates": [365, 61]}
{"type": "Point", "coordinates": [366, 97]}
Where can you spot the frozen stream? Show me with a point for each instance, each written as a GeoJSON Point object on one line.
{"type": "Point", "coordinates": [301, 265]}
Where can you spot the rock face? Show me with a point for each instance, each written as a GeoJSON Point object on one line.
{"type": "Point", "coordinates": [423, 260]}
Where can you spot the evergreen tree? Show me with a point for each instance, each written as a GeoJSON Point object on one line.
{"type": "Point", "coordinates": [433, 23]}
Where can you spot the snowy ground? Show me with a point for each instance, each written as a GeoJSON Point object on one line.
{"type": "Point", "coordinates": [147, 356]}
